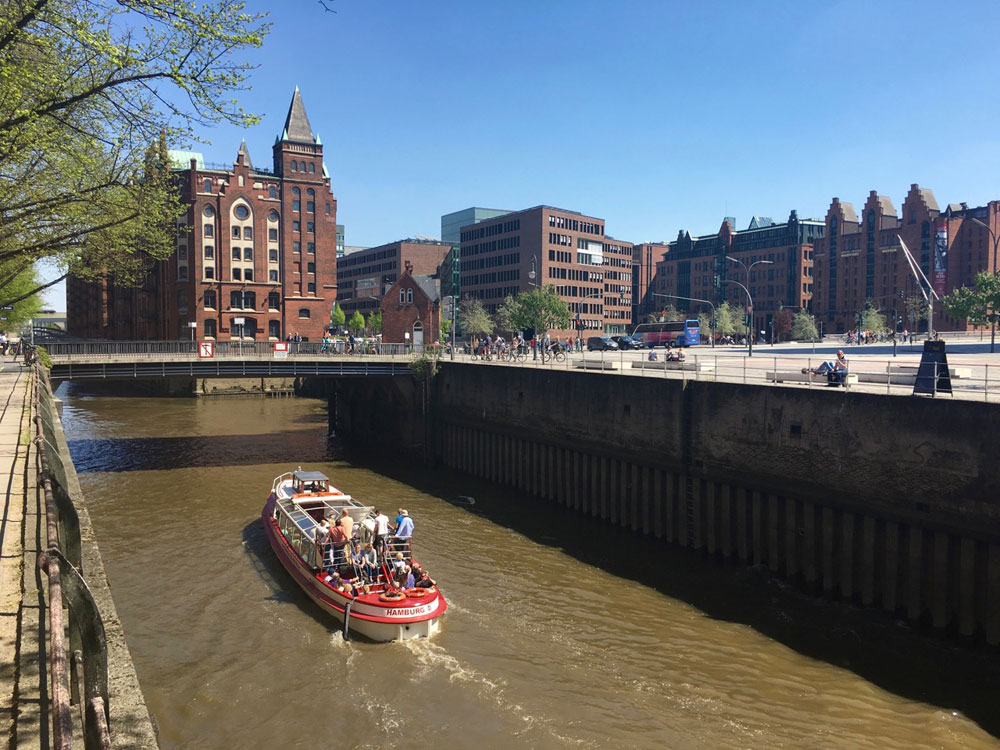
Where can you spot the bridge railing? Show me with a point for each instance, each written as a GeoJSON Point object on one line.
{"type": "Point", "coordinates": [135, 350]}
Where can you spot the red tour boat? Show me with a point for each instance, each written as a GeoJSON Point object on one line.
{"type": "Point", "coordinates": [373, 604]}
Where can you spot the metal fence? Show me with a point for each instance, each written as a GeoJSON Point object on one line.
{"type": "Point", "coordinates": [977, 380]}
{"type": "Point", "coordinates": [134, 350]}
{"type": "Point", "coordinates": [81, 678]}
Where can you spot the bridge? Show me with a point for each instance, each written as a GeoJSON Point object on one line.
{"type": "Point", "coordinates": [111, 360]}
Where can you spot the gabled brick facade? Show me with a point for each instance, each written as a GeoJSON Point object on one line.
{"type": "Point", "coordinates": [255, 245]}
{"type": "Point", "coordinates": [412, 305]}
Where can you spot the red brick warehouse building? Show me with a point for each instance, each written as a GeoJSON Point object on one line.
{"type": "Point", "coordinates": [774, 264]}
{"type": "Point", "coordinates": [256, 245]}
{"type": "Point", "coordinates": [860, 259]}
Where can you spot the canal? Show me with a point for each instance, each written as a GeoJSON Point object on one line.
{"type": "Point", "coordinates": [561, 632]}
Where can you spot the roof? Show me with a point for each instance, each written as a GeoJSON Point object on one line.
{"type": "Point", "coordinates": [885, 203]}
{"type": "Point", "coordinates": [928, 197]}
{"type": "Point", "coordinates": [311, 476]}
{"type": "Point", "coordinates": [243, 151]}
{"type": "Point", "coordinates": [759, 222]}
{"type": "Point", "coordinates": [429, 285]}
{"type": "Point", "coordinates": [297, 126]}
{"type": "Point", "coordinates": [182, 159]}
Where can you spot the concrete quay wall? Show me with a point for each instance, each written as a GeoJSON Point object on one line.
{"type": "Point", "coordinates": [883, 501]}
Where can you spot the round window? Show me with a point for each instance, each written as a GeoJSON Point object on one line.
{"type": "Point", "coordinates": [209, 211]}
{"type": "Point", "coordinates": [273, 216]}
{"type": "Point", "coordinates": [296, 191]}
{"type": "Point", "coordinates": [241, 211]}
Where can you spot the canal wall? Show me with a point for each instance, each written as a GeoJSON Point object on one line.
{"type": "Point", "coordinates": [882, 501]}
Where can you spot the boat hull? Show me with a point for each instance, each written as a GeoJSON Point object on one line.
{"type": "Point", "coordinates": [375, 620]}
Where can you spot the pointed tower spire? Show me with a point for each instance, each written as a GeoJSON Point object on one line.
{"type": "Point", "coordinates": [245, 154]}
{"type": "Point", "coordinates": [297, 126]}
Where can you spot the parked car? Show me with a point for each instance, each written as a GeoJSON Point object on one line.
{"type": "Point", "coordinates": [627, 342]}
{"type": "Point", "coordinates": [601, 343]}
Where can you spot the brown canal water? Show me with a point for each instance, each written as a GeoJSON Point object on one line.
{"type": "Point", "coordinates": [561, 632]}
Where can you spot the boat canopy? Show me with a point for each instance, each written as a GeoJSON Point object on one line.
{"type": "Point", "coordinates": [310, 481]}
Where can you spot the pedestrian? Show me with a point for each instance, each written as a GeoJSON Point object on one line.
{"type": "Point", "coordinates": [404, 530]}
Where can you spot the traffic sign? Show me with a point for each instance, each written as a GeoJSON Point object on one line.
{"type": "Point", "coordinates": [206, 349]}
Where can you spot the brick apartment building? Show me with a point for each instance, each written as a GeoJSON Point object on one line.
{"type": "Point", "coordinates": [700, 268]}
{"type": "Point", "coordinates": [412, 306]}
{"type": "Point", "coordinates": [364, 277]}
{"type": "Point", "coordinates": [861, 259]}
{"type": "Point", "coordinates": [539, 246]}
{"type": "Point", "coordinates": [255, 259]}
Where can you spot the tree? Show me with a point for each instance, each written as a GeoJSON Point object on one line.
{"type": "Point", "coordinates": [667, 315]}
{"type": "Point", "coordinates": [20, 286]}
{"type": "Point", "coordinates": [356, 323]}
{"type": "Point", "coordinates": [917, 310]}
{"type": "Point", "coordinates": [374, 322]}
{"type": "Point", "coordinates": [705, 323]}
{"type": "Point", "coordinates": [782, 324]}
{"type": "Point", "coordinates": [507, 314]}
{"type": "Point", "coordinates": [88, 87]}
{"type": "Point", "coordinates": [445, 334]}
{"type": "Point", "coordinates": [541, 309]}
{"type": "Point", "coordinates": [979, 304]}
{"type": "Point", "coordinates": [337, 317]}
{"type": "Point", "coordinates": [804, 327]}
{"type": "Point", "coordinates": [728, 319]}
{"type": "Point", "coordinates": [872, 319]}
{"type": "Point", "coordinates": [473, 317]}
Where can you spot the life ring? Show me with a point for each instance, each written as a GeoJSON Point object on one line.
{"type": "Point", "coordinates": [416, 593]}
{"type": "Point", "coordinates": [391, 596]}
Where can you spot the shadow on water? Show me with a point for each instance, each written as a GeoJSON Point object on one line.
{"type": "Point", "coordinates": [866, 641]}
{"type": "Point", "coordinates": [165, 453]}
{"type": "Point", "coordinates": [273, 574]}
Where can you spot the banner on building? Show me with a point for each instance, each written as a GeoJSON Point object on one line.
{"type": "Point", "coordinates": [941, 258]}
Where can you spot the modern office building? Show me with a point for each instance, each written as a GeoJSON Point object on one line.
{"type": "Point", "coordinates": [255, 258]}
{"type": "Point", "coordinates": [341, 241]}
{"type": "Point", "coordinates": [539, 246]}
{"type": "Point", "coordinates": [451, 227]}
{"type": "Point", "coordinates": [365, 276]}
{"type": "Point", "coordinates": [860, 259]}
{"type": "Point", "coordinates": [772, 268]}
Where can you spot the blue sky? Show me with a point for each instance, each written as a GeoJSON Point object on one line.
{"type": "Point", "coordinates": [655, 116]}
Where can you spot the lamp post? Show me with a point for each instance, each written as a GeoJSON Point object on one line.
{"type": "Point", "coordinates": [993, 313]}
{"type": "Point", "coordinates": [694, 299]}
{"type": "Point", "coordinates": [579, 331]}
{"type": "Point", "coordinates": [749, 309]}
{"type": "Point", "coordinates": [748, 269]}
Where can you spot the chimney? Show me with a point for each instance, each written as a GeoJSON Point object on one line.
{"type": "Point", "coordinates": [409, 268]}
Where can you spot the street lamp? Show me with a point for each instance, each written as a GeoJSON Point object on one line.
{"type": "Point", "coordinates": [750, 322]}
{"type": "Point", "coordinates": [993, 314]}
{"type": "Point", "coordinates": [695, 299]}
{"type": "Point", "coordinates": [749, 309]}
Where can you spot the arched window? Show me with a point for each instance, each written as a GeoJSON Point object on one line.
{"type": "Point", "coordinates": [409, 296]}
{"type": "Point", "coordinates": [249, 328]}
{"type": "Point", "coordinates": [273, 301]}
{"type": "Point", "coordinates": [310, 192]}
{"type": "Point", "coordinates": [274, 329]}
{"type": "Point", "coordinates": [210, 329]}
{"type": "Point", "coordinates": [295, 166]}
{"type": "Point", "coordinates": [272, 192]}
{"type": "Point", "coordinates": [236, 299]}
{"type": "Point", "coordinates": [208, 186]}
{"type": "Point", "coordinates": [250, 300]}
{"type": "Point", "coordinates": [312, 167]}
{"type": "Point", "coordinates": [304, 312]}
{"type": "Point", "coordinates": [210, 298]}
{"type": "Point", "coordinates": [402, 297]}
{"type": "Point", "coordinates": [296, 192]}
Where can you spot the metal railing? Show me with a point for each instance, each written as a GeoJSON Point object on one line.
{"type": "Point", "coordinates": [975, 380]}
{"type": "Point", "coordinates": [133, 350]}
{"type": "Point", "coordinates": [81, 679]}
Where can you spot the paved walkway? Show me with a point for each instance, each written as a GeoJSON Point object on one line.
{"type": "Point", "coordinates": [23, 692]}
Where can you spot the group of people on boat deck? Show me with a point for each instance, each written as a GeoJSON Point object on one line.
{"type": "Point", "coordinates": [357, 549]}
